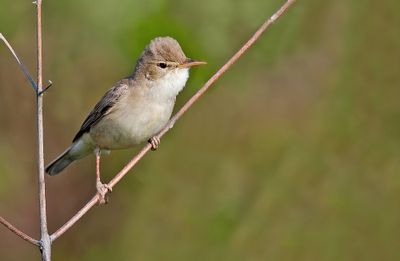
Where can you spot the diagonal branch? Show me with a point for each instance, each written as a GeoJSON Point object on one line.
{"type": "Point", "coordinates": [21, 65]}
{"type": "Point", "coordinates": [95, 199]}
{"type": "Point", "coordinates": [19, 232]}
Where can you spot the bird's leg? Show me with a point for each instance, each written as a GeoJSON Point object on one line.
{"type": "Point", "coordinates": [155, 142]}
{"type": "Point", "coordinates": [102, 189]}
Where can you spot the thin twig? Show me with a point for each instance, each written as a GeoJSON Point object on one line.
{"type": "Point", "coordinates": [45, 242]}
{"type": "Point", "coordinates": [21, 65]}
{"type": "Point", "coordinates": [172, 121]}
{"type": "Point", "coordinates": [92, 202]}
{"type": "Point", "coordinates": [18, 232]}
{"type": "Point", "coordinates": [46, 88]}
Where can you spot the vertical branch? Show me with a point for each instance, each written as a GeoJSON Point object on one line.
{"type": "Point", "coordinates": [45, 241]}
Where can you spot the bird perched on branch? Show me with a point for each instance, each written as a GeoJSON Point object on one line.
{"type": "Point", "coordinates": [134, 109]}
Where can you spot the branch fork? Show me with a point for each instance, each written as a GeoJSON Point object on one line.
{"type": "Point", "coordinates": [46, 240]}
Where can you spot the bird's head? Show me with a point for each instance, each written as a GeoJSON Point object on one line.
{"type": "Point", "coordinates": [164, 58]}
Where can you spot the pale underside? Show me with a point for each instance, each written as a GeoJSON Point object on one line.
{"type": "Point", "coordinates": [145, 112]}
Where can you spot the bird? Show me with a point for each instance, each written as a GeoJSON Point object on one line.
{"type": "Point", "coordinates": [134, 110]}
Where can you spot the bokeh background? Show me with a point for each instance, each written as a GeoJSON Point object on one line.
{"type": "Point", "coordinates": [294, 154]}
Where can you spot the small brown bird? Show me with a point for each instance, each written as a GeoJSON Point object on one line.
{"type": "Point", "coordinates": [134, 109]}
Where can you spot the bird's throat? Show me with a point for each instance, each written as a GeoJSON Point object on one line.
{"type": "Point", "coordinates": [169, 86]}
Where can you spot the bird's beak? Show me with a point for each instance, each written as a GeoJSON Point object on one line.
{"type": "Point", "coordinates": [190, 63]}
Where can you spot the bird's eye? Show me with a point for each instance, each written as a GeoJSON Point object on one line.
{"type": "Point", "coordinates": [162, 65]}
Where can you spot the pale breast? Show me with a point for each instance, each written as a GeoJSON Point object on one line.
{"type": "Point", "coordinates": [140, 115]}
{"type": "Point", "coordinates": [125, 128]}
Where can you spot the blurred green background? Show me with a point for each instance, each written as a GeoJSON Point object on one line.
{"type": "Point", "coordinates": [292, 155]}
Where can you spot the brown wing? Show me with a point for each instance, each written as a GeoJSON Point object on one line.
{"type": "Point", "coordinates": [103, 107]}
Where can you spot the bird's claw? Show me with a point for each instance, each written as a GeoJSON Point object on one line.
{"type": "Point", "coordinates": [155, 142]}
{"type": "Point", "coordinates": [103, 190]}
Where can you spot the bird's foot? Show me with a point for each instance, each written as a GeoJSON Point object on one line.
{"type": "Point", "coordinates": [103, 190]}
{"type": "Point", "coordinates": [155, 142]}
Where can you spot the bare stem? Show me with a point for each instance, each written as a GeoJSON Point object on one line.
{"type": "Point", "coordinates": [172, 121]}
{"type": "Point", "coordinates": [18, 232]}
{"type": "Point", "coordinates": [21, 65]}
{"type": "Point", "coordinates": [45, 242]}
{"type": "Point", "coordinates": [92, 202]}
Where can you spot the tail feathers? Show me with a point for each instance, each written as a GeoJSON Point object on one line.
{"type": "Point", "coordinates": [60, 163]}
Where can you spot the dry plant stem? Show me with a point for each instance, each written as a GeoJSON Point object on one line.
{"type": "Point", "coordinates": [18, 232]}
{"type": "Point", "coordinates": [21, 65]}
{"type": "Point", "coordinates": [45, 242]}
{"type": "Point", "coordinates": [172, 121]}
